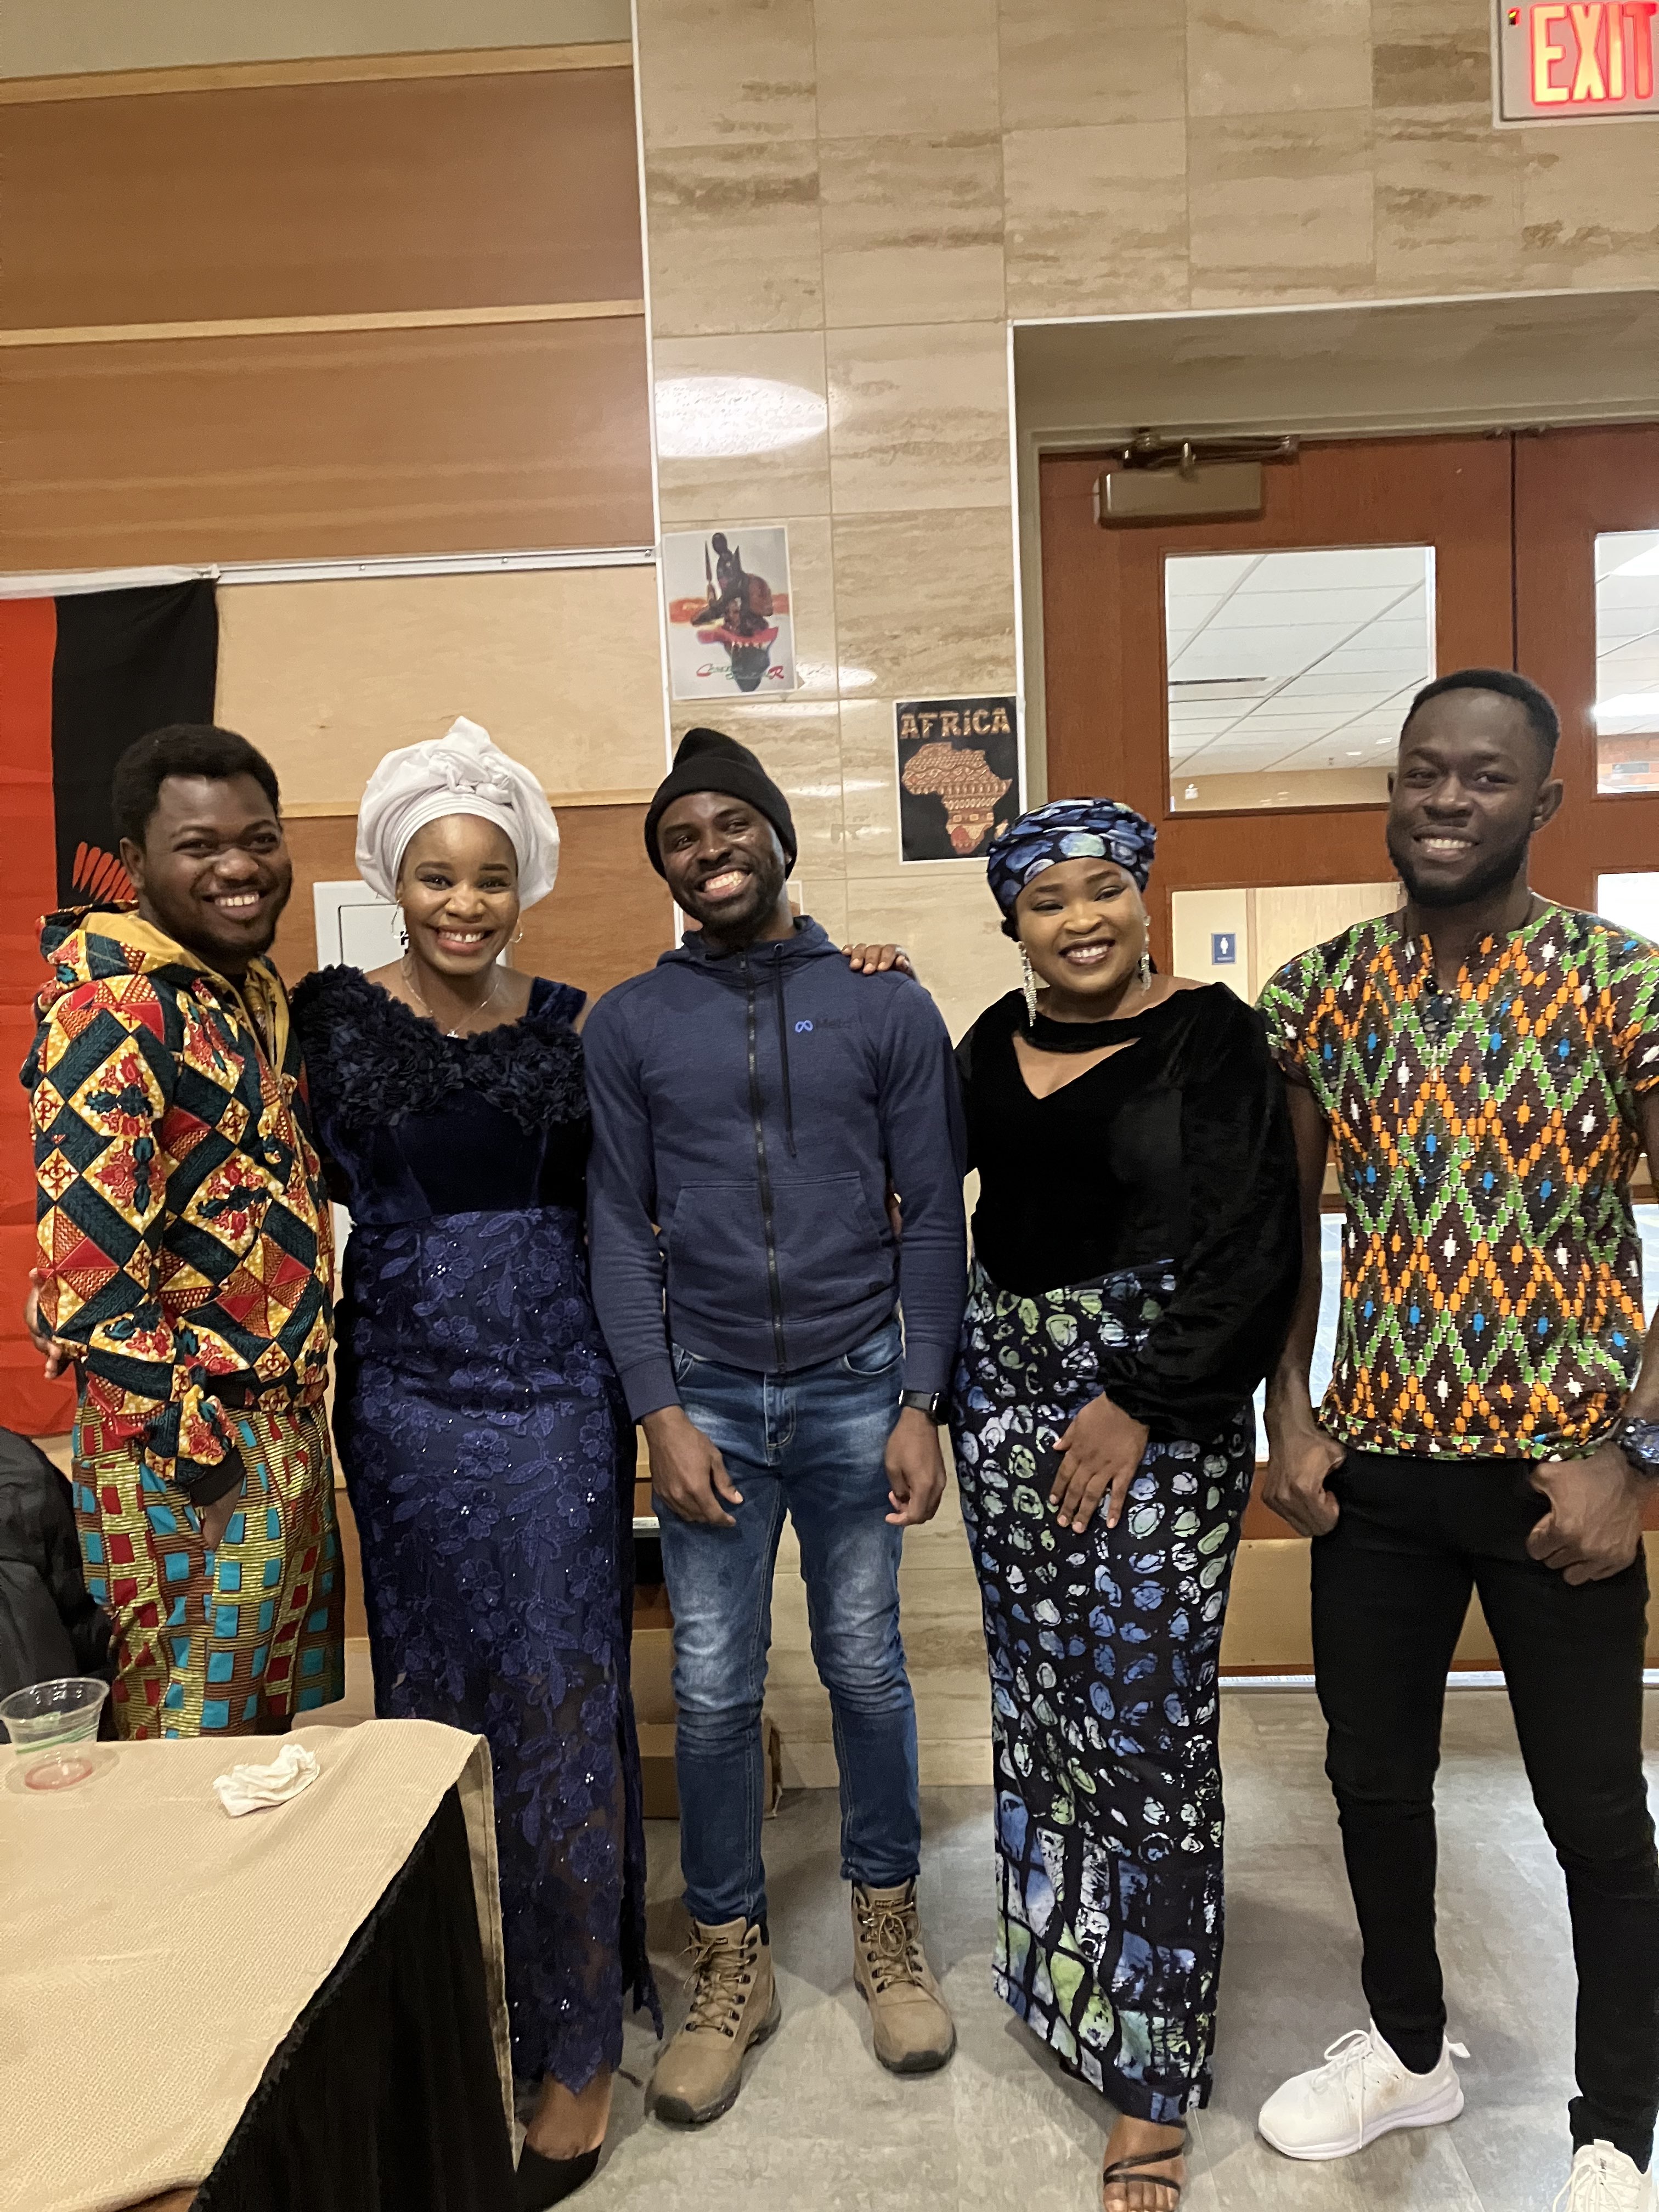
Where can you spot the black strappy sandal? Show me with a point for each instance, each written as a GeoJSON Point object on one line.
{"type": "Point", "coordinates": [1132, 2169]}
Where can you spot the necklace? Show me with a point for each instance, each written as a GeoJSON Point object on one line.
{"type": "Point", "coordinates": [482, 1007]}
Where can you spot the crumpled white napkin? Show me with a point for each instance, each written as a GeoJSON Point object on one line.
{"type": "Point", "coordinates": [251, 1788]}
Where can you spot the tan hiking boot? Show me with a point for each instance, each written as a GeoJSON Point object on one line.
{"type": "Point", "coordinates": [914, 2032]}
{"type": "Point", "coordinates": [734, 2006]}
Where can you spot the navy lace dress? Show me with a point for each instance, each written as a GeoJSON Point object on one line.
{"type": "Point", "coordinates": [490, 1463]}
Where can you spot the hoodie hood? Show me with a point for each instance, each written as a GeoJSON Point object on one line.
{"type": "Point", "coordinates": [810, 942]}
{"type": "Point", "coordinates": [97, 944]}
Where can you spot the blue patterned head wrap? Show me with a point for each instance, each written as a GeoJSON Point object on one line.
{"type": "Point", "coordinates": [1069, 829]}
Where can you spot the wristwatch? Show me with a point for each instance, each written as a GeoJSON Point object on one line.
{"type": "Point", "coordinates": [1639, 1443]}
{"type": "Point", "coordinates": [932, 1403]}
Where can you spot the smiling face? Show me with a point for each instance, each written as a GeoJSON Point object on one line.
{"type": "Point", "coordinates": [1471, 788]}
{"type": "Point", "coordinates": [725, 864]}
{"type": "Point", "coordinates": [457, 884]}
{"type": "Point", "coordinates": [1084, 927]}
{"type": "Point", "coordinates": [212, 870]}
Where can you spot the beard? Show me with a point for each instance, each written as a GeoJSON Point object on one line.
{"type": "Point", "coordinates": [1489, 875]}
{"type": "Point", "coordinates": [735, 920]}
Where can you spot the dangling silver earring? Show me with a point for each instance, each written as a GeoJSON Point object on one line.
{"type": "Point", "coordinates": [1145, 969]}
{"type": "Point", "coordinates": [1029, 987]}
{"type": "Point", "coordinates": [403, 930]}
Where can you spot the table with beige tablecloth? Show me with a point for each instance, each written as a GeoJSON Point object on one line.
{"type": "Point", "coordinates": [160, 1963]}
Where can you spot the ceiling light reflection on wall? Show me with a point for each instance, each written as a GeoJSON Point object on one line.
{"type": "Point", "coordinates": [710, 418]}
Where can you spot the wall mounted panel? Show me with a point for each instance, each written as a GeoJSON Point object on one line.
{"type": "Point", "coordinates": [264, 448]}
{"type": "Point", "coordinates": [560, 666]}
{"type": "Point", "coordinates": [321, 199]}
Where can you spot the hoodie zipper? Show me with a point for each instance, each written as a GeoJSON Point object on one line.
{"type": "Point", "coordinates": [762, 1172]}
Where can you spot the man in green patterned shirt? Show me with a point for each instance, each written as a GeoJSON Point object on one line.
{"type": "Point", "coordinates": [1485, 1066]}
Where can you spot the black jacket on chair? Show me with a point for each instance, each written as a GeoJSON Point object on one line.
{"type": "Point", "coordinates": [49, 1626]}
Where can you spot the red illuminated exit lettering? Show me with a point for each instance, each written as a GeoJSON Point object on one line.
{"type": "Point", "coordinates": [1594, 55]}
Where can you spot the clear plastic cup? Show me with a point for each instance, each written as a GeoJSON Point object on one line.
{"type": "Point", "coordinates": [53, 1727]}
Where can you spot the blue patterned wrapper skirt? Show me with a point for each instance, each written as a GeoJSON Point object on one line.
{"type": "Point", "coordinates": [1103, 1646]}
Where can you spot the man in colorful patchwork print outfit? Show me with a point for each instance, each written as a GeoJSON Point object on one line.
{"type": "Point", "coordinates": [1485, 1065]}
{"type": "Point", "coordinates": [185, 1256]}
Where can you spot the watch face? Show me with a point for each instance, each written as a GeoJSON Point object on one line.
{"type": "Point", "coordinates": [1640, 1443]}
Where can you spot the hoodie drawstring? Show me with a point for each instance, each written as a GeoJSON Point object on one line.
{"type": "Point", "coordinates": [783, 1054]}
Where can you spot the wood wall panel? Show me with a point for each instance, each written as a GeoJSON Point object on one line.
{"type": "Point", "coordinates": [296, 447]}
{"type": "Point", "coordinates": [321, 199]}
{"type": "Point", "coordinates": [607, 917]}
{"type": "Point", "coordinates": [560, 665]}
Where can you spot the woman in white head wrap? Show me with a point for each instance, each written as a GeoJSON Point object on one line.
{"type": "Point", "coordinates": [464, 840]}
{"type": "Point", "coordinates": [487, 1452]}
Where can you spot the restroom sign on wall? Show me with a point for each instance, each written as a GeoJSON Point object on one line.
{"type": "Point", "coordinates": [1576, 61]}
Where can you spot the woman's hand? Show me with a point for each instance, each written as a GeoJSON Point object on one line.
{"type": "Point", "coordinates": [1102, 1449]}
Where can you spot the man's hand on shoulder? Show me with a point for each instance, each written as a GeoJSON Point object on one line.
{"type": "Point", "coordinates": [688, 1474]}
{"type": "Point", "coordinates": [877, 959]}
{"type": "Point", "coordinates": [1594, 1525]}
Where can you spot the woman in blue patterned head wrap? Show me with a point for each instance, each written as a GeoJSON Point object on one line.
{"type": "Point", "coordinates": [1136, 1254]}
{"type": "Point", "coordinates": [1071, 834]}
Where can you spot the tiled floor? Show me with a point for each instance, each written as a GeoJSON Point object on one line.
{"type": "Point", "coordinates": [820, 2125]}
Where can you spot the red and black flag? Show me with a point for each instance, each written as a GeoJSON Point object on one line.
{"type": "Point", "coordinates": [81, 676]}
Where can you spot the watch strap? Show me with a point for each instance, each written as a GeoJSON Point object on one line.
{"type": "Point", "coordinates": [1639, 1442]}
{"type": "Point", "coordinates": [930, 1402]}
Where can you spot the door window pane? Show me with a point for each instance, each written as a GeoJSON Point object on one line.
{"type": "Point", "coordinates": [1242, 937]}
{"type": "Point", "coordinates": [1632, 901]}
{"type": "Point", "coordinates": [1290, 674]}
{"type": "Point", "coordinates": [1627, 660]}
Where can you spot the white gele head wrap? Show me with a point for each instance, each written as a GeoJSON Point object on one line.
{"type": "Point", "coordinates": [459, 773]}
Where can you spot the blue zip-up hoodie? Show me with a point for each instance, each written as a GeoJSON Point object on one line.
{"type": "Point", "coordinates": [749, 1109]}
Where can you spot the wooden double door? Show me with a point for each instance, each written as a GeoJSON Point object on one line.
{"type": "Point", "coordinates": [1241, 682]}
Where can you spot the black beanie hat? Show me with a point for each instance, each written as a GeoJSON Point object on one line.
{"type": "Point", "coordinates": [709, 761]}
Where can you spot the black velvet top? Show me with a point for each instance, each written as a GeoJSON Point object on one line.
{"type": "Point", "coordinates": [413, 1124]}
{"type": "Point", "coordinates": [1178, 1150]}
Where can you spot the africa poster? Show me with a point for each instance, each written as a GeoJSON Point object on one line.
{"type": "Point", "coordinates": [958, 774]}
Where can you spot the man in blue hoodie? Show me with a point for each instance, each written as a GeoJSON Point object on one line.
{"type": "Point", "coordinates": [754, 1103]}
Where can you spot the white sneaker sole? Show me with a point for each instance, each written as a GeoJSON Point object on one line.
{"type": "Point", "coordinates": [1428, 2113]}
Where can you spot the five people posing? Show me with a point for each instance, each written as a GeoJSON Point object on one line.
{"type": "Point", "coordinates": [778, 1139]}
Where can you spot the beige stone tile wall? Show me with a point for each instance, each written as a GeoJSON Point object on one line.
{"type": "Point", "coordinates": [856, 198]}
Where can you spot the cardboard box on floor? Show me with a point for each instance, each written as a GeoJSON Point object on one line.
{"type": "Point", "coordinates": [653, 1710]}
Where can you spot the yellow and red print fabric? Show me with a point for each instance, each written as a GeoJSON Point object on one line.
{"type": "Point", "coordinates": [1484, 1137]}
{"type": "Point", "coordinates": [237, 1640]}
{"type": "Point", "coordinates": [183, 1226]}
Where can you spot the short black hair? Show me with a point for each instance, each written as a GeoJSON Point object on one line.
{"type": "Point", "coordinates": [1544, 721]}
{"type": "Point", "coordinates": [181, 749]}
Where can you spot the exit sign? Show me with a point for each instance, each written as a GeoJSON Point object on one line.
{"type": "Point", "coordinates": [1577, 61]}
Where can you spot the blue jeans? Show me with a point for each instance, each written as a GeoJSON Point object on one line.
{"type": "Point", "coordinates": [811, 1443]}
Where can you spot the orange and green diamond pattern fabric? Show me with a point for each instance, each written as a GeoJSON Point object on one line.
{"type": "Point", "coordinates": [1484, 1140]}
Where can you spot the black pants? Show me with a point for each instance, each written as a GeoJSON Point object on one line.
{"type": "Point", "coordinates": [1390, 1589]}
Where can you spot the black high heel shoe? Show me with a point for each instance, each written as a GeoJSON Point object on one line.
{"type": "Point", "coordinates": [545, 2181]}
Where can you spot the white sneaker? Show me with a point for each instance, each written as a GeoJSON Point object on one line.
{"type": "Point", "coordinates": [1361, 2091]}
{"type": "Point", "coordinates": [1604, 2181]}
